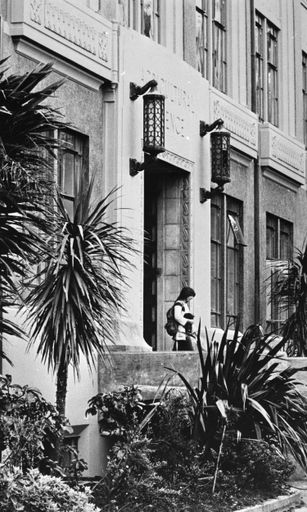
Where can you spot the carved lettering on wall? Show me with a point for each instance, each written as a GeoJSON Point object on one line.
{"type": "Point", "coordinates": [235, 122]}
{"type": "Point", "coordinates": [288, 153]}
{"type": "Point", "coordinates": [76, 31]}
{"type": "Point", "coordinates": [36, 7]}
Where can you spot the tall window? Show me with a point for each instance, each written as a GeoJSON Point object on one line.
{"type": "Point", "coordinates": [219, 45]}
{"type": "Point", "coordinates": [304, 73]}
{"type": "Point", "coordinates": [226, 261]}
{"type": "Point", "coordinates": [266, 64]}
{"type": "Point", "coordinates": [202, 36]}
{"type": "Point", "coordinates": [279, 249]}
{"type": "Point", "coordinates": [150, 19]}
{"type": "Point", "coordinates": [211, 51]}
{"type": "Point", "coordinates": [259, 53]}
{"type": "Point", "coordinates": [73, 166]}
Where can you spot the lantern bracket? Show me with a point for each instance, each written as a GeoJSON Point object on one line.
{"type": "Point", "coordinates": [205, 194]}
{"type": "Point", "coordinates": [137, 90]}
{"type": "Point", "coordinates": [135, 167]}
{"type": "Point", "coordinates": [205, 128]}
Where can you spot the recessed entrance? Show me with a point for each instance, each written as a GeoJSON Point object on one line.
{"type": "Point", "coordinates": [166, 248]}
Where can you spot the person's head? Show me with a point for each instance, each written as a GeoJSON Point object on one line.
{"type": "Point", "coordinates": [186, 293]}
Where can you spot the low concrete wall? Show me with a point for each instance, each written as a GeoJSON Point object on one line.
{"type": "Point", "coordinates": [147, 370]}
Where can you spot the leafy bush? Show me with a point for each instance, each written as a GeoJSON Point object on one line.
{"type": "Point", "coordinates": [170, 432]}
{"type": "Point", "coordinates": [255, 465]}
{"type": "Point", "coordinates": [34, 492]}
{"type": "Point", "coordinates": [120, 412]}
{"type": "Point", "coordinates": [29, 425]}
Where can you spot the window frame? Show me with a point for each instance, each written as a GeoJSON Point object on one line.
{"type": "Point", "coordinates": [276, 261]}
{"type": "Point", "coordinates": [266, 69]}
{"type": "Point", "coordinates": [219, 46]}
{"type": "Point", "coordinates": [225, 245]}
{"type": "Point", "coordinates": [155, 25]}
{"type": "Point", "coordinates": [80, 150]}
{"type": "Point", "coordinates": [202, 50]}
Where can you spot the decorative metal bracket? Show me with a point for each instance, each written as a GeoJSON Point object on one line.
{"type": "Point", "coordinates": [135, 167]}
{"type": "Point", "coordinates": [137, 90]}
{"type": "Point", "coordinates": [205, 128]}
{"type": "Point", "coordinates": [205, 194]}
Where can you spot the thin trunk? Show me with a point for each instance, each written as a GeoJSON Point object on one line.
{"type": "Point", "coordinates": [61, 392]}
{"type": "Point", "coordinates": [61, 387]}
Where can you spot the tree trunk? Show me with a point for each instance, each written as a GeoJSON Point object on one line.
{"type": "Point", "coordinates": [61, 387]}
{"type": "Point", "coordinates": [61, 392]}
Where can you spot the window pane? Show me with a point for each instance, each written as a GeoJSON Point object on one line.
{"type": "Point", "coordinates": [286, 243]}
{"type": "Point", "coordinates": [201, 41]}
{"type": "Point", "coordinates": [271, 237]}
{"type": "Point", "coordinates": [73, 162]}
{"type": "Point", "coordinates": [272, 75]}
{"type": "Point", "coordinates": [219, 59]}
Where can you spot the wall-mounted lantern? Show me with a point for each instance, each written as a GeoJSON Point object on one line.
{"type": "Point", "coordinates": [153, 131]}
{"type": "Point", "coordinates": [220, 157]}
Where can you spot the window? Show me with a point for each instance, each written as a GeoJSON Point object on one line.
{"type": "Point", "coordinates": [150, 19]}
{"type": "Point", "coordinates": [213, 12]}
{"type": "Point", "coordinates": [279, 249]}
{"type": "Point", "coordinates": [304, 73]}
{"type": "Point", "coordinates": [73, 166]}
{"type": "Point", "coordinates": [266, 56]}
{"type": "Point", "coordinates": [202, 37]}
{"type": "Point", "coordinates": [226, 261]}
{"type": "Point", "coordinates": [219, 45]}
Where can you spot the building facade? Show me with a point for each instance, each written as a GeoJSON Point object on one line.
{"type": "Point", "coordinates": [244, 61]}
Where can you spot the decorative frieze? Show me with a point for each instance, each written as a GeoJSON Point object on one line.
{"type": "Point", "coordinates": [36, 11]}
{"type": "Point", "coordinates": [177, 161]}
{"type": "Point", "coordinates": [239, 123]}
{"type": "Point", "coordinates": [282, 153]}
{"type": "Point", "coordinates": [288, 153]}
{"type": "Point", "coordinates": [68, 30]}
{"type": "Point", "coordinates": [75, 30]}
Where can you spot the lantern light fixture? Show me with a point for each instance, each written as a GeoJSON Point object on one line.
{"type": "Point", "coordinates": [220, 157]}
{"type": "Point", "coordinates": [153, 131]}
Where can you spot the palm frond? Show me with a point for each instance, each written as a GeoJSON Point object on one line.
{"type": "Point", "coordinates": [74, 307]}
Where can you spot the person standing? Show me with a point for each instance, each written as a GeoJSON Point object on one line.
{"type": "Point", "coordinates": [184, 319]}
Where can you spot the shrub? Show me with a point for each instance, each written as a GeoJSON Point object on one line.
{"type": "Point", "coordinates": [34, 492]}
{"type": "Point", "coordinates": [120, 412]}
{"type": "Point", "coordinates": [255, 465]}
{"type": "Point", "coordinates": [28, 424]}
{"type": "Point", "coordinates": [170, 433]}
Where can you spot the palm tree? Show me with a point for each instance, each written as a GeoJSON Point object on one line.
{"type": "Point", "coordinates": [290, 292]}
{"type": "Point", "coordinates": [25, 180]}
{"type": "Point", "coordinates": [73, 309]}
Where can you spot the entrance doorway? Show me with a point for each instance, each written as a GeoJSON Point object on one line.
{"type": "Point", "coordinates": [166, 248]}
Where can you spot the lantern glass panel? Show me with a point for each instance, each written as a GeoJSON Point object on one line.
{"type": "Point", "coordinates": [220, 157]}
{"type": "Point", "coordinates": [154, 124]}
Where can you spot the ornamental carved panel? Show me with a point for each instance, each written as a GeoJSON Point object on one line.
{"type": "Point", "coordinates": [185, 232]}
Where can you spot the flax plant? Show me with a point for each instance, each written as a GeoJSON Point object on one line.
{"type": "Point", "coordinates": [244, 392]}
